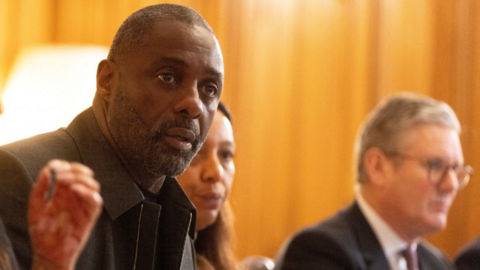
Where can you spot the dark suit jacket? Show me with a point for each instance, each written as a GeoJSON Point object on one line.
{"type": "Point", "coordinates": [346, 242]}
{"type": "Point", "coordinates": [129, 231]}
{"type": "Point", "coordinates": [469, 258]}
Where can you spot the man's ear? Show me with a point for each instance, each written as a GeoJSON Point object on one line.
{"type": "Point", "coordinates": [107, 75]}
{"type": "Point", "coordinates": [378, 166]}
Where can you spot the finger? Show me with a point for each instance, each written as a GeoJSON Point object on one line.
{"type": "Point", "coordinates": [75, 172]}
{"type": "Point", "coordinates": [86, 205]}
{"type": "Point", "coordinates": [75, 167]}
{"type": "Point", "coordinates": [70, 178]}
{"type": "Point", "coordinates": [76, 197]}
{"type": "Point", "coordinates": [79, 168]}
{"type": "Point", "coordinates": [89, 201]}
{"type": "Point", "coordinates": [58, 165]}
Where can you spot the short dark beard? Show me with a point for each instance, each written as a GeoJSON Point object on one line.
{"type": "Point", "coordinates": [144, 147]}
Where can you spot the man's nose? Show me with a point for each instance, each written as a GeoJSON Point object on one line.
{"type": "Point", "coordinates": [450, 180]}
{"type": "Point", "coordinates": [188, 102]}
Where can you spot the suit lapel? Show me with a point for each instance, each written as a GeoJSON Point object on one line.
{"type": "Point", "coordinates": [121, 195]}
{"type": "Point", "coordinates": [176, 221]}
{"type": "Point", "coordinates": [97, 153]}
{"type": "Point", "coordinates": [429, 258]}
{"type": "Point", "coordinates": [370, 248]}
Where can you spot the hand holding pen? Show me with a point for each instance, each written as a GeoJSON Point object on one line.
{"type": "Point", "coordinates": [64, 205]}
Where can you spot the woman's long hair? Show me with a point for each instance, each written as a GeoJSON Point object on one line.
{"type": "Point", "coordinates": [215, 242]}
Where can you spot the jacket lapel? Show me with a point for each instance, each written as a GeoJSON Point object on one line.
{"type": "Point", "coordinates": [123, 204]}
{"type": "Point", "coordinates": [177, 212]}
{"type": "Point", "coordinates": [117, 188]}
{"type": "Point", "coordinates": [370, 248]}
{"type": "Point", "coordinates": [430, 258]}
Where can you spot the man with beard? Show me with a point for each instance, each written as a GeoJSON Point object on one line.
{"type": "Point", "coordinates": [156, 96]}
{"type": "Point", "coordinates": [409, 169]}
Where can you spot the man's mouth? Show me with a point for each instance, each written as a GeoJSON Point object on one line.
{"type": "Point", "coordinates": [180, 138]}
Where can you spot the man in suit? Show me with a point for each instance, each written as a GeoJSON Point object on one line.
{"type": "Point", "coordinates": [409, 168]}
{"type": "Point", "coordinates": [157, 93]}
{"type": "Point", "coordinates": [469, 257]}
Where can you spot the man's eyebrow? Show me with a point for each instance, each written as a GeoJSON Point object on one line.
{"type": "Point", "coordinates": [173, 60]}
{"type": "Point", "coordinates": [214, 72]}
{"type": "Point", "coordinates": [183, 63]}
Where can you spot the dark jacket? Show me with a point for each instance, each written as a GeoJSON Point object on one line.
{"type": "Point", "coordinates": [346, 242]}
{"type": "Point", "coordinates": [469, 257]}
{"type": "Point", "coordinates": [129, 232]}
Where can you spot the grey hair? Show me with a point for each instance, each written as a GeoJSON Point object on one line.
{"type": "Point", "coordinates": [394, 115]}
{"type": "Point", "coordinates": [135, 30]}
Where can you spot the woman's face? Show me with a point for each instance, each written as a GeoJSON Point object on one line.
{"type": "Point", "coordinates": [208, 179]}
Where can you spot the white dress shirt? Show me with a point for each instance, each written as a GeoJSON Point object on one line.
{"type": "Point", "coordinates": [392, 244]}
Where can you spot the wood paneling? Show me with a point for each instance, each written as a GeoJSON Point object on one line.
{"type": "Point", "coordinates": [300, 77]}
{"type": "Point", "coordinates": [22, 23]}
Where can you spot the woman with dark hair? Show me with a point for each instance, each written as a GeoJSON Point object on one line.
{"type": "Point", "coordinates": [207, 182]}
{"type": "Point", "coordinates": [64, 204]}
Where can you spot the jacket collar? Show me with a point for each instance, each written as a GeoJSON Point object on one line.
{"type": "Point", "coordinates": [117, 187]}
{"type": "Point", "coordinates": [174, 192]}
{"type": "Point", "coordinates": [370, 248]}
{"type": "Point", "coordinates": [118, 190]}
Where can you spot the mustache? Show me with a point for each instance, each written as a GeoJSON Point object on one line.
{"type": "Point", "coordinates": [179, 123]}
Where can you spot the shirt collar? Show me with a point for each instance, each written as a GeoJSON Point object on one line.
{"type": "Point", "coordinates": [390, 241]}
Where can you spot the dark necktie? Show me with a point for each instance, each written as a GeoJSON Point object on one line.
{"type": "Point", "coordinates": [410, 255]}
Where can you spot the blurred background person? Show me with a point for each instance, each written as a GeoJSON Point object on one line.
{"type": "Point", "coordinates": [207, 182]}
{"type": "Point", "coordinates": [61, 215]}
{"type": "Point", "coordinates": [410, 167]}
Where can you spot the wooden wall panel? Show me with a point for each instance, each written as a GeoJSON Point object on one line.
{"type": "Point", "coordinates": [22, 24]}
{"type": "Point", "coordinates": [298, 100]}
{"type": "Point", "coordinates": [407, 46]}
{"type": "Point", "coordinates": [264, 115]}
{"type": "Point", "coordinates": [4, 18]}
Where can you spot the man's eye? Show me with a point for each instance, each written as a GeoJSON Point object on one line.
{"type": "Point", "coordinates": [210, 90]}
{"type": "Point", "coordinates": [437, 164]}
{"type": "Point", "coordinates": [166, 77]}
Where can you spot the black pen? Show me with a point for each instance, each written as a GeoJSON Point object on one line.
{"type": "Point", "coordinates": [51, 186]}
